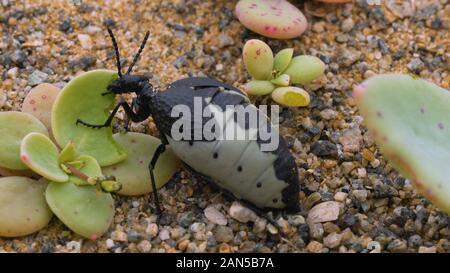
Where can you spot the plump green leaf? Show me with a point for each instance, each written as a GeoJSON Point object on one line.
{"type": "Point", "coordinates": [39, 153]}
{"type": "Point", "coordinates": [90, 167]}
{"type": "Point", "coordinates": [68, 153]}
{"type": "Point", "coordinates": [81, 98]}
{"type": "Point", "coordinates": [282, 80]}
{"type": "Point", "coordinates": [23, 209]}
{"type": "Point", "coordinates": [258, 59]}
{"type": "Point", "coordinates": [133, 172]}
{"type": "Point", "coordinates": [291, 96]}
{"type": "Point", "coordinates": [85, 210]}
{"type": "Point", "coordinates": [282, 59]}
{"type": "Point", "coordinates": [259, 88]}
{"type": "Point", "coordinates": [409, 120]}
{"type": "Point", "coordinates": [14, 126]}
{"type": "Point", "coordinates": [39, 102]}
{"type": "Point", "coordinates": [304, 68]}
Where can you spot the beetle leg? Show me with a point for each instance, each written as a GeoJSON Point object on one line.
{"type": "Point", "coordinates": [107, 123]}
{"type": "Point", "coordinates": [161, 148]}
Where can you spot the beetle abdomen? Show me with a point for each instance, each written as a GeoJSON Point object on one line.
{"type": "Point", "coordinates": [267, 179]}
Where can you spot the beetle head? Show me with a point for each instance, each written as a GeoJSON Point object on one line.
{"type": "Point", "coordinates": [128, 83]}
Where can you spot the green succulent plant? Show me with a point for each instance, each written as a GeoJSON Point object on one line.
{"type": "Point", "coordinates": [72, 185]}
{"type": "Point", "coordinates": [275, 75]}
{"type": "Point", "coordinates": [409, 120]}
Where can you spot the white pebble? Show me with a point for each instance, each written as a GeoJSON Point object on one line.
{"type": "Point", "coordinates": [340, 196]}
{"type": "Point", "coordinates": [85, 41]}
{"type": "Point", "coordinates": [152, 229]}
{"type": "Point", "coordinates": [144, 246]}
{"type": "Point", "coordinates": [215, 216]}
{"type": "Point", "coordinates": [219, 67]}
{"type": "Point", "coordinates": [241, 213]}
{"type": "Point", "coordinates": [164, 235]}
{"type": "Point", "coordinates": [74, 246]}
{"type": "Point", "coordinates": [324, 212]}
{"type": "Point", "coordinates": [109, 243]}
{"type": "Point", "coordinates": [12, 73]}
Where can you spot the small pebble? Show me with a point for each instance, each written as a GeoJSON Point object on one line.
{"type": "Point", "coordinates": [152, 229]}
{"type": "Point", "coordinates": [316, 230]}
{"type": "Point", "coordinates": [241, 213]}
{"type": "Point", "coordinates": [333, 240]}
{"type": "Point", "coordinates": [324, 148]}
{"type": "Point", "coordinates": [260, 225]}
{"type": "Point", "coordinates": [324, 212]}
{"type": "Point", "coordinates": [225, 248]}
{"type": "Point", "coordinates": [314, 247]}
{"type": "Point", "coordinates": [12, 73]}
{"type": "Point", "coordinates": [74, 246]}
{"type": "Point", "coordinates": [109, 243]}
{"type": "Point", "coordinates": [360, 195]}
{"type": "Point", "coordinates": [297, 220]}
{"type": "Point", "coordinates": [423, 249]}
{"type": "Point", "coordinates": [197, 227]}
{"type": "Point", "coordinates": [144, 246]}
{"type": "Point", "coordinates": [223, 234]}
{"type": "Point", "coordinates": [340, 196]}
{"type": "Point", "coordinates": [225, 40]}
{"type": "Point", "coordinates": [182, 245]}
{"type": "Point", "coordinates": [397, 246]}
{"type": "Point", "coordinates": [415, 65]}
{"type": "Point", "coordinates": [37, 77]}
{"type": "Point", "coordinates": [374, 247]}
{"type": "Point", "coordinates": [85, 41]}
{"type": "Point", "coordinates": [347, 24]}
{"type": "Point", "coordinates": [119, 236]}
{"type": "Point", "coordinates": [133, 235]}
{"type": "Point", "coordinates": [164, 234]}
{"type": "Point", "coordinates": [215, 216]}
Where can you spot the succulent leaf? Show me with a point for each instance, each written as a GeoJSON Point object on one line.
{"type": "Point", "coordinates": [85, 210]}
{"type": "Point", "coordinates": [88, 166]}
{"type": "Point", "coordinates": [68, 153]}
{"type": "Point", "coordinates": [258, 59]}
{"type": "Point", "coordinates": [23, 209]}
{"type": "Point", "coordinates": [291, 96]}
{"type": "Point", "coordinates": [39, 102]}
{"type": "Point", "coordinates": [409, 120]}
{"type": "Point", "coordinates": [133, 173]}
{"type": "Point", "coordinates": [14, 126]}
{"type": "Point", "coordinates": [259, 88]}
{"type": "Point", "coordinates": [283, 59]}
{"type": "Point", "coordinates": [276, 19]}
{"type": "Point", "coordinates": [304, 68]}
{"type": "Point", "coordinates": [82, 98]}
{"type": "Point", "coordinates": [282, 80]}
{"type": "Point", "coordinates": [39, 153]}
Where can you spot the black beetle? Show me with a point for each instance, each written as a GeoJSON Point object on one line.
{"type": "Point", "coordinates": [262, 180]}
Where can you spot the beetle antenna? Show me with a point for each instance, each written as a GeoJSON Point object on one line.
{"type": "Point", "coordinates": [136, 57]}
{"type": "Point", "coordinates": [116, 48]}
